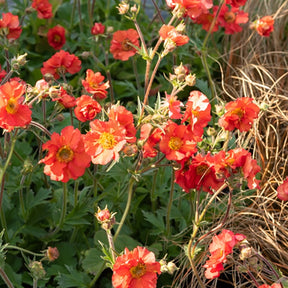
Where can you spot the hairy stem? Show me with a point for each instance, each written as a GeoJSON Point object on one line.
{"type": "Point", "coordinates": [5, 278]}
{"type": "Point", "coordinates": [128, 204]}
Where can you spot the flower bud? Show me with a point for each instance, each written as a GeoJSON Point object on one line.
{"type": "Point", "coordinates": [37, 270]}
{"type": "Point", "coordinates": [190, 80]}
{"type": "Point", "coordinates": [52, 253]}
{"type": "Point", "coordinates": [123, 8]}
{"type": "Point", "coordinates": [105, 218]}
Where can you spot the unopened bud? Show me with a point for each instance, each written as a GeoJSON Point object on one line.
{"type": "Point", "coordinates": [123, 8]}
{"type": "Point", "coordinates": [37, 270]}
{"type": "Point", "coordinates": [190, 80]}
{"type": "Point", "coordinates": [27, 167]}
{"type": "Point", "coordinates": [105, 218]}
{"type": "Point", "coordinates": [48, 77]}
{"type": "Point", "coordinates": [130, 150]}
{"type": "Point", "coordinates": [134, 9]}
{"type": "Point", "coordinates": [86, 54]}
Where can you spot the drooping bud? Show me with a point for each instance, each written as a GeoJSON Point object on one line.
{"type": "Point", "coordinates": [52, 253]}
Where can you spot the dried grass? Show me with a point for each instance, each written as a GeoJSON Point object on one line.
{"type": "Point", "coordinates": [259, 69]}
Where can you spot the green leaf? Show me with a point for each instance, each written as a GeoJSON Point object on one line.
{"type": "Point", "coordinates": [35, 199]}
{"type": "Point", "coordinates": [156, 221]}
{"type": "Point", "coordinates": [93, 262]}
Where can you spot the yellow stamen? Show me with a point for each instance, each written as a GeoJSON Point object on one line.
{"type": "Point", "coordinates": [65, 154]}
{"type": "Point", "coordinates": [107, 140]}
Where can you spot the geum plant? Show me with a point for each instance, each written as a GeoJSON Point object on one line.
{"type": "Point", "coordinates": [85, 135]}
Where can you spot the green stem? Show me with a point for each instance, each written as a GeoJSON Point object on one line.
{"type": "Point", "coordinates": [5, 278]}
{"type": "Point", "coordinates": [21, 198]}
{"type": "Point", "coordinates": [153, 198]}
{"type": "Point", "coordinates": [24, 250]}
{"type": "Point", "coordinates": [128, 204]}
{"type": "Point", "coordinates": [35, 283]}
{"type": "Point", "coordinates": [190, 250]}
{"type": "Point", "coordinates": [63, 211]}
{"type": "Point", "coordinates": [169, 206]}
{"type": "Point", "coordinates": [94, 280]}
{"type": "Point", "coordinates": [111, 243]}
{"type": "Point", "coordinates": [76, 185]}
{"type": "Point", "coordinates": [80, 17]}
{"type": "Point", "coordinates": [72, 14]}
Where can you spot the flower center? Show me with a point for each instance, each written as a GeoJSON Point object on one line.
{"type": "Point", "coordinates": [125, 45]}
{"type": "Point", "coordinates": [107, 140]}
{"type": "Point", "coordinates": [239, 112]}
{"type": "Point", "coordinates": [12, 106]}
{"type": "Point", "coordinates": [202, 169]}
{"type": "Point", "coordinates": [57, 38]}
{"type": "Point", "coordinates": [65, 154]}
{"type": "Point", "coordinates": [175, 143]}
{"type": "Point", "coordinates": [138, 271]}
{"type": "Point", "coordinates": [230, 17]}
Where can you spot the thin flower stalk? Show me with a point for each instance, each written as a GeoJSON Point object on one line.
{"type": "Point", "coordinates": [127, 208]}
{"type": "Point", "coordinates": [170, 202]}
{"type": "Point", "coordinates": [5, 278]}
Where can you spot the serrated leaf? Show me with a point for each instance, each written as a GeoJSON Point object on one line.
{"type": "Point", "coordinates": [35, 199]}
{"type": "Point", "coordinates": [93, 262]}
{"type": "Point", "coordinates": [156, 221]}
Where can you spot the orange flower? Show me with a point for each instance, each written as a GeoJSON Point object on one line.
{"type": "Point", "coordinates": [43, 7]}
{"type": "Point", "coordinates": [197, 112]}
{"type": "Point", "coordinates": [65, 99]}
{"type": "Point", "coordinates": [104, 141]}
{"type": "Point", "coordinates": [2, 73]}
{"type": "Point", "coordinates": [98, 29]}
{"type": "Point", "coordinates": [9, 26]}
{"type": "Point", "coordinates": [275, 285]}
{"type": "Point", "coordinates": [150, 138]}
{"type": "Point", "coordinates": [174, 106]}
{"type": "Point", "coordinates": [56, 37]}
{"type": "Point", "coordinates": [87, 108]}
{"type": "Point", "coordinates": [264, 26]}
{"type": "Point", "coordinates": [239, 114]}
{"type": "Point", "coordinates": [282, 190]}
{"type": "Point", "coordinates": [120, 44]}
{"type": "Point", "coordinates": [93, 84]}
{"type": "Point", "coordinates": [193, 8]}
{"type": "Point", "coordinates": [66, 157]}
{"type": "Point", "coordinates": [177, 142]}
{"type": "Point", "coordinates": [125, 119]}
{"type": "Point", "coordinates": [13, 113]}
{"type": "Point", "coordinates": [236, 3]}
{"type": "Point", "coordinates": [221, 246]}
{"type": "Point", "coordinates": [134, 269]}
{"type": "Point", "coordinates": [231, 19]}
{"type": "Point", "coordinates": [199, 173]}
{"type": "Point", "coordinates": [206, 20]}
{"type": "Point", "coordinates": [60, 63]}
{"type": "Point", "coordinates": [168, 32]}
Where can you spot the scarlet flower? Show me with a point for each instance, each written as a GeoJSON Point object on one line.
{"type": "Point", "coordinates": [206, 19]}
{"type": "Point", "coordinates": [104, 141]}
{"type": "Point", "coordinates": [2, 73]}
{"type": "Point", "coordinates": [43, 7]}
{"type": "Point", "coordinates": [86, 108]}
{"type": "Point", "coordinates": [236, 3]}
{"type": "Point", "coordinates": [239, 114]}
{"type": "Point", "coordinates": [264, 26]}
{"type": "Point", "coordinates": [65, 99]}
{"type": "Point", "coordinates": [221, 246]}
{"type": "Point", "coordinates": [120, 44]}
{"type": "Point", "coordinates": [9, 26]}
{"type": "Point", "coordinates": [193, 8]}
{"type": "Point", "coordinates": [174, 106]}
{"type": "Point", "coordinates": [66, 157]}
{"type": "Point", "coordinates": [170, 32]}
{"type": "Point", "coordinates": [231, 19]}
{"type": "Point", "coordinates": [60, 63]}
{"type": "Point", "coordinates": [275, 285]}
{"type": "Point", "coordinates": [282, 190]}
{"type": "Point", "coordinates": [199, 173]}
{"type": "Point", "coordinates": [197, 112]}
{"type": "Point", "coordinates": [13, 113]}
{"type": "Point", "coordinates": [56, 37]}
{"type": "Point", "coordinates": [150, 138]}
{"type": "Point", "coordinates": [240, 160]}
{"type": "Point", "coordinates": [98, 29]}
{"type": "Point", "coordinates": [125, 119]}
{"type": "Point", "coordinates": [137, 268]}
{"type": "Point", "coordinates": [93, 84]}
{"type": "Point", "coordinates": [177, 142]}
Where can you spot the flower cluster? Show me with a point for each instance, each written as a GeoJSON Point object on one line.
{"type": "Point", "coordinates": [9, 26]}
{"type": "Point", "coordinates": [221, 246]}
